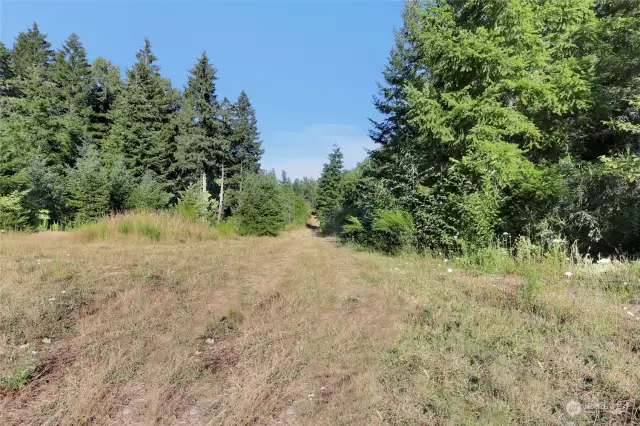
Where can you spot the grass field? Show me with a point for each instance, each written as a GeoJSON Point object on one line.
{"type": "Point", "coordinates": [159, 322]}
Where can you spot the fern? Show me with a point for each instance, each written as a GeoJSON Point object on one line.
{"type": "Point", "coordinates": [354, 225]}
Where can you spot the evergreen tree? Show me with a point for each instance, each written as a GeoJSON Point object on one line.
{"type": "Point", "coordinates": [329, 186]}
{"type": "Point", "coordinates": [144, 126]}
{"type": "Point", "coordinates": [89, 186]}
{"type": "Point", "coordinates": [6, 71]}
{"type": "Point", "coordinates": [70, 72]}
{"type": "Point", "coordinates": [245, 139]}
{"type": "Point", "coordinates": [31, 49]}
{"type": "Point", "coordinates": [201, 127]}
{"type": "Point", "coordinates": [261, 206]}
{"type": "Point", "coordinates": [105, 86]}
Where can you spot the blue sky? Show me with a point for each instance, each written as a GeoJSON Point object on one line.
{"type": "Point", "coordinates": [309, 67]}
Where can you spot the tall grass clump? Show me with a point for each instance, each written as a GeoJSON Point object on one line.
{"type": "Point", "coordinates": [144, 226]}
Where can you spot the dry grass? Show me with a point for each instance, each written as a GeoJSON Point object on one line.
{"type": "Point", "coordinates": [188, 330]}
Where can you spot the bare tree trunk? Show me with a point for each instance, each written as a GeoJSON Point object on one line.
{"type": "Point", "coordinates": [204, 182]}
{"type": "Point", "coordinates": [221, 194]}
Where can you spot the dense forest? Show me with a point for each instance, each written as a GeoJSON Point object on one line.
{"type": "Point", "coordinates": [78, 142]}
{"type": "Point", "coordinates": [509, 120]}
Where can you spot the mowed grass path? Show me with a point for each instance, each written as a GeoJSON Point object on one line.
{"type": "Point", "coordinates": [297, 330]}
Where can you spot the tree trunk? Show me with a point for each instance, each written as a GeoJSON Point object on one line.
{"type": "Point", "coordinates": [221, 194]}
{"type": "Point", "coordinates": [204, 182]}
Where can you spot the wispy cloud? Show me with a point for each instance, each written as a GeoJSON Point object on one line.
{"type": "Point", "coordinates": [302, 153]}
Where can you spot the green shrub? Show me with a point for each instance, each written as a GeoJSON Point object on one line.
{"type": "Point", "coordinates": [261, 207]}
{"type": "Point", "coordinates": [395, 228]}
{"type": "Point", "coordinates": [195, 205]}
{"type": "Point", "coordinates": [12, 213]}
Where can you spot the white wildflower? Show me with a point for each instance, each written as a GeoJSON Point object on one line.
{"type": "Point", "coordinates": [505, 233]}
{"type": "Point", "coordinates": [604, 260]}
{"type": "Point", "coordinates": [322, 388]}
{"type": "Point", "coordinates": [34, 352]}
{"type": "Point", "coordinates": [449, 270]}
{"type": "Point", "coordinates": [311, 395]}
{"type": "Point", "coordinates": [568, 274]}
{"type": "Point", "coordinates": [46, 340]}
{"type": "Point", "coordinates": [64, 292]}
{"type": "Point", "coordinates": [52, 299]}
{"type": "Point", "coordinates": [210, 341]}
{"type": "Point", "coordinates": [557, 240]}
{"type": "Point", "coordinates": [446, 260]}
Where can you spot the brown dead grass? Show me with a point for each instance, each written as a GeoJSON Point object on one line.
{"type": "Point", "coordinates": [296, 330]}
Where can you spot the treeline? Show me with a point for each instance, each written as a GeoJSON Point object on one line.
{"type": "Point", "coordinates": [78, 142]}
{"type": "Point", "coordinates": [503, 119]}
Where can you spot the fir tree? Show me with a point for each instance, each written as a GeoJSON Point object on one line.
{"type": "Point", "coordinates": [105, 86]}
{"type": "Point", "coordinates": [89, 186]}
{"type": "Point", "coordinates": [261, 209]}
{"type": "Point", "coordinates": [31, 49]}
{"type": "Point", "coordinates": [246, 149]}
{"type": "Point", "coordinates": [196, 144]}
{"type": "Point", "coordinates": [144, 126]}
{"type": "Point", "coordinates": [329, 186]}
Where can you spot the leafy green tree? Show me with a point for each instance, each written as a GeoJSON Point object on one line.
{"type": "Point", "coordinates": [89, 186]}
{"type": "Point", "coordinates": [330, 187]}
{"type": "Point", "coordinates": [261, 206]}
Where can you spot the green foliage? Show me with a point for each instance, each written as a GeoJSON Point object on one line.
{"type": "Point", "coordinates": [12, 214]}
{"type": "Point", "coordinates": [149, 194]}
{"type": "Point", "coordinates": [89, 187]}
{"type": "Point", "coordinates": [495, 117]}
{"type": "Point", "coordinates": [261, 208]}
{"type": "Point", "coordinates": [18, 377]}
{"type": "Point", "coordinates": [148, 141]}
{"type": "Point", "coordinates": [121, 185]}
{"type": "Point", "coordinates": [329, 193]}
{"type": "Point", "coordinates": [148, 230]}
{"type": "Point", "coordinates": [196, 205]}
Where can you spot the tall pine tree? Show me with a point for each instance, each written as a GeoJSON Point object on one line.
{"type": "Point", "coordinates": [144, 125]}
{"type": "Point", "coordinates": [200, 126]}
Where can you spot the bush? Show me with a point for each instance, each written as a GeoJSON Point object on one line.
{"type": "Point", "coordinates": [261, 207]}
{"type": "Point", "coordinates": [12, 214]}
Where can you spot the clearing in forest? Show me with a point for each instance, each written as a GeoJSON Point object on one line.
{"type": "Point", "coordinates": [298, 330]}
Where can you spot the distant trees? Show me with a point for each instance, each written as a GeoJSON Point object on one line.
{"type": "Point", "coordinates": [78, 142]}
